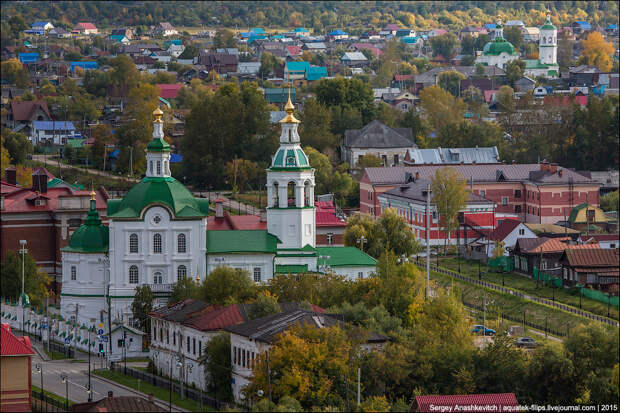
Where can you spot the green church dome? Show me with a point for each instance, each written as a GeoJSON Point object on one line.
{"type": "Point", "coordinates": [92, 236]}
{"type": "Point", "coordinates": [158, 190]}
{"type": "Point", "coordinates": [290, 158]}
{"type": "Point", "coordinates": [548, 25]}
{"type": "Point", "coordinates": [498, 46]}
{"type": "Point", "coordinates": [158, 145]}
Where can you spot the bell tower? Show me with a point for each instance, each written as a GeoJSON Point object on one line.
{"type": "Point", "coordinates": [548, 43]}
{"type": "Point", "coordinates": [158, 150]}
{"type": "Point", "coordinates": [290, 189]}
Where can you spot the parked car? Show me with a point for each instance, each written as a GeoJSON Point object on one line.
{"type": "Point", "coordinates": [526, 342]}
{"type": "Point", "coordinates": [479, 328]}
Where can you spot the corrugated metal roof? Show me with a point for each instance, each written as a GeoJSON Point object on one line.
{"type": "Point", "coordinates": [593, 257]}
{"type": "Point", "coordinates": [13, 345]}
{"type": "Point", "coordinates": [480, 173]}
{"type": "Point", "coordinates": [378, 135]}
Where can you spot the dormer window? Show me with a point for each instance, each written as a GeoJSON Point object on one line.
{"type": "Point", "coordinates": [39, 202]}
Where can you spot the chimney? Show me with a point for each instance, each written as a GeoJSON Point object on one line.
{"type": "Point", "coordinates": [10, 174]}
{"type": "Point", "coordinates": [553, 168]}
{"type": "Point", "coordinates": [110, 394]}
{"type": "Point", "coordinates": [219, 208]}
{"type": "Point", "coordinates": [39, 181]}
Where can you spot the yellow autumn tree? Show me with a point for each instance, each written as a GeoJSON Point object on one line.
{"type": "Point", "coordinates": [597, 52]}
{"type": "Point", "coordinates": [24, 176]}
{"type": "Point", "coordinates": [440, 107]}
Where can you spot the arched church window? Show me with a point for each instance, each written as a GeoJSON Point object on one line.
{"type": "Point", "coordinates": [133, 274]}
{"type": "Point", "coordinates": [166, 167]}
{"type": "Point", "coordinates": [289, 135]}
{"type": "Point", "coordinates": [181, 272]}
{"type": "Point", "coordinates": [133, 244]}
{"type": "Point", "coordinates": [291, 195]}
{"type": "Point", "coordinates": [158, 168]}
{"type": "Point", "coordinates": [151, 166]}
{"type": "Point", "coordinates": [73, 273]}
{"type": "Point", "coordinates": [543, 39]}
{"type": "Point", "coordinates": [276, 195]}
{"type": "Point", "coordinates": [158, 278]}
{"type": "Point", "coordinates": [181, 244]}
{"type": "Point", "coordinates": [157, 244]}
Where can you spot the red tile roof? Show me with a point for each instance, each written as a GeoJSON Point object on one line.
{"type": "Point", "coordinates": [504, 229]}
{"type": "Point", "coordinates": [426, 403]}
{"type": "Point", "coordinates": [602, 237]}
{"type": "Point", "coordinates": [13, 345]}
{"type": "Point", "coordinates": [23, 111]}
{"type": "Point", "coordinates": [169, 91]}
{"type": "Point", "coordinates": [86, 26]}
{"type": "Point", "coordinates": [294, 50]}
{"type": "Point", "coordinates": [215, 318]}
{"type": "Point", "coordinates": [326, 215]}
{"type": "Point", "coordinates": [18, 200]}
{"type": "Point", "coordinates": [551, 245]}
{"type": "Point", "coordinates": [235, 222]}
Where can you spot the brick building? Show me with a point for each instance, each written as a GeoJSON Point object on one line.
{"type": "Point", "coordinates": [15, 372]}
{"type": "Point", "coordinates": [535, 193]}
{"type": "Point", "coordinates": [45, 216]}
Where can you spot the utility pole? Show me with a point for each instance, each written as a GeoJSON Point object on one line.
{"type": "Point", "coordinates": [23, 251]}
{"type": "Point", "coordinates": [90, 393]}
{"type": "Point", "coordinates": [268, 376]}
{"type": "Point", "coordinates": [428, 247]}
{"type": "Point", "coordinates": [359, 375]}
{"type": "Point", "coordinates": [131, 161]}
{"type": "Point", "coordinates": [49, 327]}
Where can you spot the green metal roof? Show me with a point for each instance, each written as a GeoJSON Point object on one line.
{"type": "Point", "coordinates": [241, 241]}
{"type": "Point", "coordinates": [498, 46]}
{"type": "Point", "coordinates": [548, 25]}
{"type": "Point", "coordinates": [54, 182]}
{"type": "Point", "coordinates": [573, 213]}
{"type": "Point", "coordinates": [346, 257]}
{"type": "Point", "coordinates": [75, 143]}
{"type": "Point", "coordinates": [159, 190]}
{"type": "Point", "coordinates": [291, 269]}
{"type": "Point", "coordinates": [158, 145]}
{"type": "Point", "coordinates": [534, 64]}
{"type": "Point", "coordinates": [287, 157]}
{"type": "Point", "coordinates": [92, 237]}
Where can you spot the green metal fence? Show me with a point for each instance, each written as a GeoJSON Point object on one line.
{"type": "Point", "coordinates": [547, 278]}
{"type": "Point", "coordinates": [506, 263]}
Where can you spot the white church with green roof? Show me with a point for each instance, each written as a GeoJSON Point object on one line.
{"type": "Point", "coordinates": [499, 52]}
{"type": "Point", "coordinates": [157, 234]}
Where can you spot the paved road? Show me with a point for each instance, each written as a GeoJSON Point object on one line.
{"type": "Point", "coordinates": [48, 159]}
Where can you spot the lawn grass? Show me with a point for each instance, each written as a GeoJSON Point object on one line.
{"type": "Point", "coordinates": [500, 304]}
{"type": "Point", "coordinates": [55, 355]}
{"type": "Point", "coordinates": [54, 396]}
{"type": "Point", "coordinates": [253, 198]}
{"type": "Point", "coordinates": [145, 387]}
{"type": "Point", "coordinates": [528, 285]}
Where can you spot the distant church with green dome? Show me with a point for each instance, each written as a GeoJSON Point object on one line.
{"type": "Point", "coordinates": [158, 233]}
{"type": "Point", "coordinates": [499, 51]}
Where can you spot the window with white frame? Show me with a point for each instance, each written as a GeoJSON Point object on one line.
{"type": "Point", "coordinates": [181, 244]}
{"type": "Point", "coordinates": [133, 274]}
{"type": "Point", "coordinates": [257, 274]}
{"type": "Point", "coordinates": [181, 272]}
{"type": "Point", "coordinates": [330, 238]}
{"type": "Point", "coordinates": [158, 168]}
{"type": "Point", "coordinates": [133, 244]}
{"type": "Point", "coordinates": [360, 274]}
{"type": "Point", "coordinates": [157, 248]}
{"type": "Point", "coordinates": [504, 200]}
{"type": "Point", "coordinates": [73, 273]}
{"type": "Point", "coordinates": [158, 278]}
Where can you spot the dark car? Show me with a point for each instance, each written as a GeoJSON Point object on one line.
{"type": "Point", "coordinates": [526, 342]}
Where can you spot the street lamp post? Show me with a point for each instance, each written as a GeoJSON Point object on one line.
{"type": "Point", "coordinates": [22, 251]}
{"type": "Point", "coordinates": [65, 380]}
{"type": "Point", "coordinates": [39, 368]}
{"type": "Point", "coordinates": [361, 240]}
{"type": "Point", "coordinates": [90, 394]}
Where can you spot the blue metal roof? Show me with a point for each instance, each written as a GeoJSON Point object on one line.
{"type": "Point", "coordinates": [28, 57]}
{"type": "Point", "coordinates": [301, 29]}
{"type": "Point", "coordinates": [39, 24]}
{"type": "Point", "coordinates": [489, 26]}
{"type": "Point", "coordinates": [316, 72]}
{"type": "Point", "coordinates": [258, 30]}
{"type": "Point", "coordinates": [176, 158]}
{"type": "Point", "coordinates": [53, 125]}
{"type": "Point", "coordinates": [337, 32]}
{"type": "Point", "coordinates": [583, 25]}
{"type": "Point", "coordinates": [612, 26]}
{"type": "Point", "coordinates": [297, 66]}
{"type": "Point", "coordinates": [86, 64]}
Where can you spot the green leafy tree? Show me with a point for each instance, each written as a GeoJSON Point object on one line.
{"type": "Point", "coordinates": [550, 373]}
{"type": "Point", "coordinates": [265, 304]}
{"type": "Point", "coordinates": [183, 289]}
{"type": "Point", "coordinates": [450, 81]}
{"type": "Point", "coordinates": [124, 73]}
{"type": "Point", "coordinates": [17, 26]}
{"type": "Point", "coordinates": [224, 38]}
{"type": "Point", "coordinates": [215, 134]}
{"type": "Point", "coordinates": [449, 196]}
{"type": "Point", "coordinates": [226, 286]}
{"type": "Point", "coordinates": [35, 280]}
{"type": "Point", "coordinates": [17, 145]}
{"type": "Point", "coordinates": [242, 174]}
{"type": "Point", "coordinates": [216, 359]}
{"type": "Point", "coordinates": [610, 202]}
{"type": "Point", "coordinates": [315, 127]}
{"type": "Point", "coordinates": [481, 41]}
{"type": "Point", "coordinates": [14, 72]}
{"type": "Point", "coordinates": [96, 82]}
{"type": "Point", "coordinates": [515, 70]}
{"type": "Point", "coordinates": [329, 179]}
{"type": "Point", "coordinates": [468, 45]}
{"type": "Point", "coordinates": [514, 36]}
{"type": "Point", "coordinates": [500, 367]}
{"type": "Point", "coordinates": [324, 290]}
{"type": "Point", "coordinates": [268, 63]}
{"type": "Point", "coordinates": [189, 52]}
{"type": "Point", "coordinates": [103, 137]}
{"type": "Point", "coordinates": [440, 107]}
{"type": "Point", "coordinates": [141, 306]}
{"type": "Point", "coordinates": [348, 94]}
{"type": "Point", "coordinates": [444, 45]}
